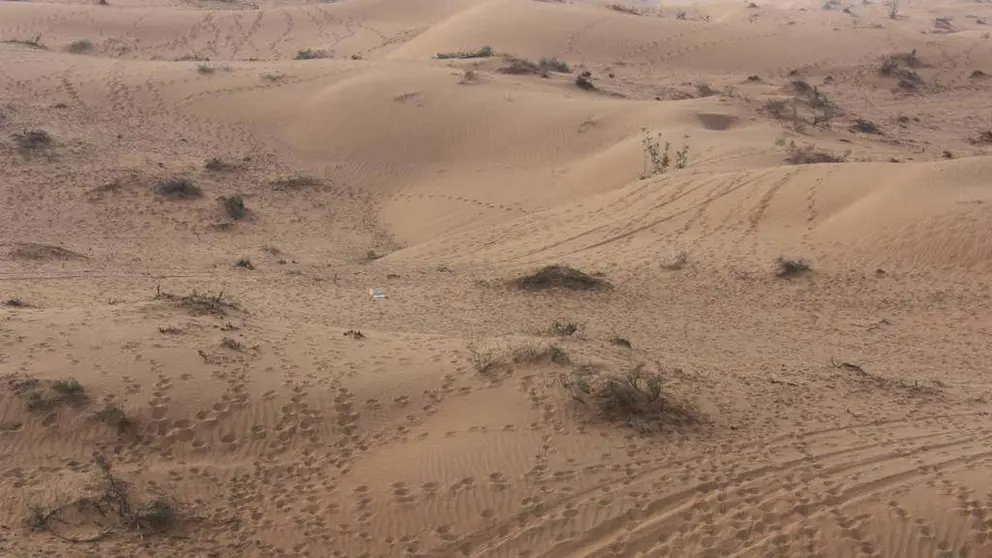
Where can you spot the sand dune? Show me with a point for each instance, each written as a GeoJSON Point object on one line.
{"type": "Point", "coordinates": [773, 344]}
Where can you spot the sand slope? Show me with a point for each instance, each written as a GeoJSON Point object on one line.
{"type": "Point", "coordinates": [233, 364]}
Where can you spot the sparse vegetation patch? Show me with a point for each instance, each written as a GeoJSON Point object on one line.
{"type": "Point", "coordinates": [108, 509]}
{"type": "Point", "coordinates": [32, 140]}
{"type": "Point", "coordinates": [636, 398]}
{"type": "Point", "coordinates": [658, 159]}
{"type": "Point", "coordinates": [198, 304]}
{"type": "Point", "coordinates": [39, 395]}
{"type": "Point", "coordinates": [484, 52]}
{"type": "Point", "coordinates": [178, 188]}
{"type": "Point", "coordinates": [490, 358]}
{"type": "Point", "coordinates": [561, 277]}
{"type": "Point", "coordinates": [309, 54]}
{"type": "Point", "coordinates": [564, 329]}
{"type": "Point", "coordinates": [80, 46]}
{"type": "Point", "coordinates": [295, 182]}
{"type": "Point", "coordinates": [234, 205]}
{"type": "Point", "coordinates": [786, 268]}
{"type": "Point", "coordinates": [902, 66]}
{"type": "Point", "coordinates": [584, 81]}
{"type": "Point", "coordinates": [626, 9]}
{"type": "Point", "coordinates": [811, 155]}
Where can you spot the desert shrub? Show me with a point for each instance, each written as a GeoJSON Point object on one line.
{"type": "Point", "coordinates": [114, 416]}
{"type": "Point", "coordinates": [31, 140]}
{"type": "Point", "coordinates": [216, 164]}
{"type": "Point", "coordinates": [41, 395]}
{"type": "Point", "coordinates": [790, 267]}
{"type": "Point", "coordinates": [810, 155]}
{"type": "Point", "coordinates": [309, 54]}
{"type": "Point", "coordinates": [555, 65]}
{"type": "Point", "coordinates": [469, 76]}
{"type": "Point", "coordinates": [978, 74]}
{"type": "Point", "coordinates": [198, 304]}
{"type": "Point", "coordinates": [982, 138]}
{"type": "Point", "coordinates": [490, 358]}
{"type": "Point", "coordinates": [522, 66]}
{"type": "Point", "coordinates": [484, 52]}
{"type": "Point", "coordinates": [902, 65]}
{"type": "Point", "coordinates": [658, 158]}
{"type": "Point", "coordinates": [564, 329]}
{"type": "Point", "coordinates": [244, 263]}
{"type": "Point", "coordinates": [16, 303]}
{"type": "Point", "coordinates": [295, 182]}
{"type": "Point", "coordinates": [205, 68]}
{"type": "Point", "coordinates": [560, 277]}
{"type": "Point", "coordinates": [69, 387]}
{"type": "Point", "coordinates": [625, 9]}
{"type": "Point", "coordinates": [178, 188]}
{"type": "Point", "coordinates": [705, 90]}
{"type": "Point", "coordinates": [584, 81]}
{"type": "Point", "coordinates": [636, 398]}
{"type": "Point", "coordinates": [865, 126]}
{"type": "Point", "coordinates": [111, 509]}
{"type": "Point", "coordinates": [234, 205]}
{"type": "Point", "coordinates": [680, 261]}
{"type": "Point", "coordinates": [80, 46]}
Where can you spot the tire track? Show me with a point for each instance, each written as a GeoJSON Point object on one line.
{"type": "Point", "coordinates": [663, 514]}
{"type": "Point", "coordinates": [480, 536]}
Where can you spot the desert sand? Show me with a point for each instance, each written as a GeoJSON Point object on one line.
{"type": "Point", "coordinates": [775, 341]}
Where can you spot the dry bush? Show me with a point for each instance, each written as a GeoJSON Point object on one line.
{"type": "Point", "coordinates": [865, 126]}
{"type": "Point", "coordinates": [680, 260]}
{"type": "Point", "coordinates": [295, 182]}
{"type": "Point", "coordinates": [564, 329]}
{"type": "Point", "coordinates": [625, 9]}
{"type": "Point", "coordinates": [244, 263]}
{"type": "Point", "coordinates": [902, 66]}
{"type": "Point", "coordinates": [216, 164]}
{"type": "Point", "coordinates": [16, 303]}
{"type": "Point", "coordinates": [560, 277]}
{"type": "Point", "coordinates": [543, 68]}
{"type": "Point", "coordinates": [635, 398]}
{"type": "Point", "coordinates": [234, 205]}
{"type": "Point", "coordinates": [786, 268]}
{"type": "Point", "coordinates": [309, 54]}
{"type": "Point", "coordinates": [198, 304]}
{"type": "Point", "coordinates": [43, 395]}
{"type": "Point", "coordinates": [584, 81]}
{"type": "Point", "coordinates": [109, 509]}
{"type": "Point", "coordinates": [491, 357]}
{"type": "Point", "coordinates": [811, 155]}
{"type": "Point", "coordinates": [114, 416]}
{"type": "Point", "coordinates": [469, 76]}
{"type": "Point", "coordinates": [984, 138]}
{"type": "Point", "coordinates": [178, 188]}
{"type": "Point", "coordinates": [658, 160]}
{"type": "Point", "coordinates": [80, 46]}
{"type": "Point", "coordinates": [484, 52]}
{"type": "Point", "coordinates": [32, 140]}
